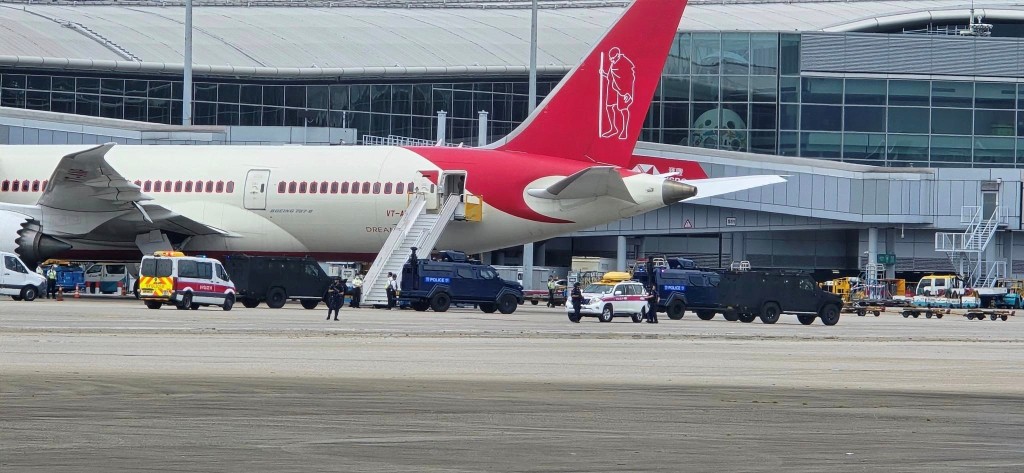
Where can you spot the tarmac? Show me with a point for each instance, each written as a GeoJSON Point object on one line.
{"type": "Point", "coordinates": [98, 384]}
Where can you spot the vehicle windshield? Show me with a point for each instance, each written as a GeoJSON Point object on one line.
{"type": "Point", "coordinates": [599, 289]}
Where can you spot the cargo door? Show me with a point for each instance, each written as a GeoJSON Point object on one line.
{"type": "Point", "coordinates": [256, 183]}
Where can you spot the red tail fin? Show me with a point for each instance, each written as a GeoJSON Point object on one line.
{"type": "Point", "coordinates": [596, 112]}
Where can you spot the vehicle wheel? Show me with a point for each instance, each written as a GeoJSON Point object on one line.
{"type": "Point", "coordinates": [991, 317]}
{"type": "Point", "coordinates": [770, 313]}
{"type": "Point", "coordinates": [574, 318]}
{"type": "Point", "coordinates": [195, 307]}
{"type": "Point", "coordinates": [488, 307]}
{"type": "Point", "coordinates": [970, 317]}
{"type": "Point", "coordinates": [731, 316]}
{"type": "Point", "coordinates": [606, 314]}
{"type": "Point", "coordinates": [29, 293]}
{"type": "Point", "coordinates": [675, 309]}
{"type": "Point", "coordinates": [877, 313]}
{"type": "Point", "coordinates": [534, 302]}
{"type": "Point", "coordinates": [420, 306]}
{"type": "Point", "coordinates": [440, 302]}
{"type": "Point", "coordinates": [829, 315]}
{"type": "Point", "coordinates": [640, 317]}
{"type": "Point", "coordinates": [153, 304]}
{"type": "Point", "coordinates": [938, 316]}
{"type": "Point", "coordinates": [1003, 318]}
{"type": "Point", "coordinates": [250, 303]}
{"type": "Point", "coordinates": [805, 319]}
{"type": "Point", "coordinates": [906, 315]}
{"type": "Point", "coordinates": [276, 298]}
{"type": "Point", "coordinates": [186, 302]}
{"type": "Point", "coordinates": [861, 313]}
{"type": "Point", "coordinates": [309, 303]}
{"type": "Point", "coordinates": [135, 289]}
{"type": "Point", "coordinates": [746, 318]}
{"type": "Point", "coordinates": [705, 314]}
{"type": "Point", "coordinates": [507, 304]}
{"type": "Point", "coordinates": [927, 315]}
{"type": "Point", "coordinates": [229, 302]}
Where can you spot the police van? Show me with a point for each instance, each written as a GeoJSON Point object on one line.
{"type": "Point", "coordinates": [187, 282]}
{"type": "Point", "coordinates": [17, 281]}
{"type": "Point", "coordinates": [455, 279]}
{"type": "Point", "coordinates": [681, 286]}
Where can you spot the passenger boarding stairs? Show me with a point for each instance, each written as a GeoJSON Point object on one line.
{"type": "Point", "coordinates": [966, 250]}
{"type": "Point", "coordinates": [419, 228]}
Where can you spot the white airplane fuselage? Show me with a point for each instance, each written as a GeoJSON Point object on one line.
{"type": "Point", "coordinates": [335, 224]}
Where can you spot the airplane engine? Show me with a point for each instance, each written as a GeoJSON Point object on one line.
{"type": "Point", "coordinates": [22, 234]}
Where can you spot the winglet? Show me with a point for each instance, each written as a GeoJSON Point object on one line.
{"type": "Point", "coordinates": [596, 112]}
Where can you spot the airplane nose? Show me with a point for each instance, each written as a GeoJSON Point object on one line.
{"type": "Point", "coordinates": [674, 191]}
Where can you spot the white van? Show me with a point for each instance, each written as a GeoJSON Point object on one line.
{"type": "Point", "coordinates": [187, 282]}
{"type": "Point", "coordinates": [17, 281]}
{"type": "Point", "coordinates": [106, 278]}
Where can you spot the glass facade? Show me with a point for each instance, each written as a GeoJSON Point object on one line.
{"type": "Point", "coordinates": [408, 110]}
{"type": "Point", "coordinates": [725, 90]}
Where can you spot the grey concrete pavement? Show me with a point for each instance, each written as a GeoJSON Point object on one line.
{"type": "Point", "coordinates": [95, 385]}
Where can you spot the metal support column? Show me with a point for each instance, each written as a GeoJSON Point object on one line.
{"type": "Point", "coordinates": [481, 131]}
{"type": "Point", "coordinates": [528, 265]}
{"type": "Point", "coordinates": [620, 253]}
{"type": "Point", "coordinates": [442, 124]}
{"type": "Point", "coordinates": [872, 245]}
{"type": "Point", "coordinates": [890, 248]}
{"type": "Point", "coordinates": [186, 91]}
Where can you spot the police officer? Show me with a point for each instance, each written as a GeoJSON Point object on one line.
{"type": "Point", "coordinates": [51, 282]}
{"type": "Point", "coordinates": [551, 291]}
{"type": "Point", "coordinates": [357, 291]}
{"type": "Point", "coordinates": [392, 291]}
{"type": "Point", "coordinates": [577, 300]}
{"type": "Point", "coordinates": [652, 304]}
{"type": "Point", "coordinates": [335, 299]}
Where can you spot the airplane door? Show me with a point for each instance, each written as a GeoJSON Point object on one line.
{"type": "Point", "coordinates": [257, 182]}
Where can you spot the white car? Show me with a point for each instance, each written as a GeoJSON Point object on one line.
{"type": "Point", "coordinates": [608, 299]}
{"type": "Point", "coordinates": [17, 281]}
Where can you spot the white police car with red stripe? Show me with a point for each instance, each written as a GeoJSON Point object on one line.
{"type": "Point", "coordinates": [613, 296]}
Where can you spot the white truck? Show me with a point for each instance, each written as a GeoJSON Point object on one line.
{"type": "Point", "coordinates": [537, 291]}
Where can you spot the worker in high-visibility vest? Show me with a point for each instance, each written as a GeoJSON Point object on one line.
{"type": "Point", "coordinates": [51, 282]}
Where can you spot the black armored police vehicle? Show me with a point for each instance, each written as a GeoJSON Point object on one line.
{"type": "Point", "coordinates": [681, 286]}
{"type": "Point", "coordinates": [276, 279]}
{"type": "Point", "coordinates": [747, 295]}
{"type": "Point", "coordinates": [455, 279]}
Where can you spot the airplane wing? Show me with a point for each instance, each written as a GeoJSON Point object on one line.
{"type": "Point", "coordinates": [592, 182]}
{"type": "Point", "coordinates": [724, 185]}
{"type": "Point", "coordinates": [84, 182]}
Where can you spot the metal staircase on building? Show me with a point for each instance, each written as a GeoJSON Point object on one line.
{"type": "Point", "coordinates": [419, 228]}
{"type": "Point", "coordinates": [966, 250]}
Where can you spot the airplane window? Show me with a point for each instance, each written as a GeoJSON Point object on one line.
{"type": "Point", "coordinates": [400, 188]}
{"type": "Point", "coordinates": [158, 186]}
{"type": "Point", "coordinates": [376, 188]}
{"type": "Point", "coordinates": [6, 186]}
{"type": "Point", "coordinates": [231, 187]}
{"type": "Point", "coordinates": [138, 183]}
{"type": "Point", "coordinates": [323, 187]}
{"type": "Point", "coordinates": [334, 187]}
{"type": "Point", "coordinates": [24, 185]}
{"type": "Point", "coordinates": [344, 187]}
{"type": "Point", "coordinates": [177, 186]}
{"type": "Point", "coordinates": [292, 187]}
{"type": "Point", "coordinates": [409, 187]}
{"type": "Point", "coordinates": [35, 186]}
{"type": "Point", "coordinates": [220, 187]}
{"type": "Point", "coordinates": [209, 186]}
{"type": "Point", "coordinates": [167, 186]}
{"type": "Point", "coordinates": [387, 187]}
{"type": "Point", "coordinates": [366, 187]}
{"type": "Point", "coordinates": [45, 182]}
{"type": "Point", "coordinates": [16, 187]}
{"type": "Point", "coordinates": [281, 187]}
{"type": "Point", "coordinates": [302, 187]}
{"type": "Point", "coordinates": [313, 187]}
{"type": "Point", "coordinates": [147, 187]}
{"type": "Point", "coordinates": [188, 186]}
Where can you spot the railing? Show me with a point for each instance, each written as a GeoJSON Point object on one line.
{"type": "Point", "coordinates": [417, 202]}
{"type": "Point", "coordinates": [395, 140]}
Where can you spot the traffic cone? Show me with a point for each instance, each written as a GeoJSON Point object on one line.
{"type": "Point", "coordinates": [60, 294]}
{"type": "Point", "coordinates": [78, 295]}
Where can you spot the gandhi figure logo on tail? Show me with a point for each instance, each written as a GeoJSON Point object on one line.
{"type": "Point", "coordinates": [618, 90]}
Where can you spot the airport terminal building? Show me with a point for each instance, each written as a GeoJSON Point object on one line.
{"type": "Point", "coordinates": [892, 120]}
